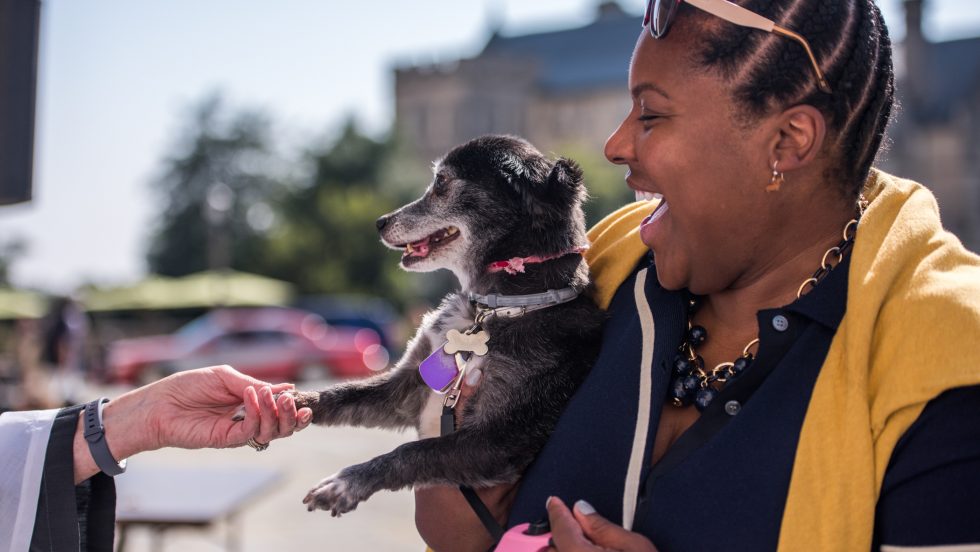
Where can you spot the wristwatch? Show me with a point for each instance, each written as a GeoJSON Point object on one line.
{"type": "Point", "coordinates": [95, 436]}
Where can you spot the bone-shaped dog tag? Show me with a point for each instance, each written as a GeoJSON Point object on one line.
{"type": "Point", "coordinates": [475, 343]}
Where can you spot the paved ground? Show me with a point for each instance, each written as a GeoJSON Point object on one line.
{"type": "Point", "coordinates": [278, 520]}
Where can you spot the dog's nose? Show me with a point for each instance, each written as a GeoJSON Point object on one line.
{"type": "Point", "coordinates": [381, 223]}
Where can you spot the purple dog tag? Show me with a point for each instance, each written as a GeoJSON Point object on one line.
{"type": "Point", "coordinates": [439, 370]}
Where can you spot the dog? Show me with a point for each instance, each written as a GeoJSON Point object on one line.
{"type": "Point", "coordinates": [509, 224]}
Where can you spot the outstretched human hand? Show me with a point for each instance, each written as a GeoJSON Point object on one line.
{"type": "Point", "coordinates": [193, 410]}
{"type": "Point", "coordinates": [586, 531]}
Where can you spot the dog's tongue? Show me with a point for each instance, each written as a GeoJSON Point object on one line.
{"type": "Point", "coordinates": [419, 248]}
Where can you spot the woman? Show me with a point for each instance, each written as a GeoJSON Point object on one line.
{"type": "Point", "coordinates": [791, 359]}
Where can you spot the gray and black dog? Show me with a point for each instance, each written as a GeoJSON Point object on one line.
{"type": "Point", "coordinates": [508, 223]}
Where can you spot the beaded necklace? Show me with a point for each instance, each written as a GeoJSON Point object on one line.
{"type": "Point", "coordinates": [691, 383]}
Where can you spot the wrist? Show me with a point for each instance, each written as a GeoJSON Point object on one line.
{"type": "Point", "coordinates": [126, 432]}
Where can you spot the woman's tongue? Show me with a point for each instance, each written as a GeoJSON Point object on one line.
{"type": "Point", "coordinates": [649, 226]}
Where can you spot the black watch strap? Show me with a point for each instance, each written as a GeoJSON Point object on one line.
{"type": "Point", "coordinates": [95, 436]}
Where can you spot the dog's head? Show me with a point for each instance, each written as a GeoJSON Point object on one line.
{"type": "Point", "coordinates": [492, 198]}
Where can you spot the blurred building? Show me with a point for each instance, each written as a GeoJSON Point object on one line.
{"type": "Point", "coordinates": [568, 88]}
{"type": "Point", "coordinates": [936, 132]}
{"type": "Point", "coordinates": [554, 88]}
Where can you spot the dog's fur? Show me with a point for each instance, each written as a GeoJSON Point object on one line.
{"type": "Point", "coordinates": [506, 200]}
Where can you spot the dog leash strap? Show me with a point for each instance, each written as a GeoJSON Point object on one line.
{"type": "Point", "coordinates": [447, 423]}
{"type": "Point", "coordinates": [482, 512]}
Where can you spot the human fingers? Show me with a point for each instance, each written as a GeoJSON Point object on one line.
{"type": "Point", "coordinates": [471, 380]}
{"type": "Point", "coordinates": [606, 534]}
{"type": "Point", "coordinates": [291, 419]}
{"type": "Point", "coordinates": [236, 382]}
{"type": "Point", "coordinates": [251, 419]}
{"type": "Point", "coordinates": [566, 533]}
{"type": "Point", "coordinates": [280, 387]}
{"type": "Point", "coordinates": [268, 416]}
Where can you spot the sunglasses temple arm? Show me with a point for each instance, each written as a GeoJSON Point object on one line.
{"type": "Point", "coordinates": [821, 81]}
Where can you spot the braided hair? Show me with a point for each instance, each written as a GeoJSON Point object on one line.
{"type": "Point", "coordinates": [767, 71]}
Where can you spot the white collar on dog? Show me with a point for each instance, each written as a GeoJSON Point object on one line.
{"type": "Point", "coordinates": [533, 301]}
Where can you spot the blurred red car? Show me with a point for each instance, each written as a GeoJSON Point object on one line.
{"type": "Point", "coordinates": [270, 343]}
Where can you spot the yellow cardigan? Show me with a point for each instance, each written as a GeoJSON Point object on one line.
{"type": "Point", "coordinates": [911, 331]}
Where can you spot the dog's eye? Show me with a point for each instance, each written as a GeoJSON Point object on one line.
{"type": "Point", "coordinates": [440, 186]}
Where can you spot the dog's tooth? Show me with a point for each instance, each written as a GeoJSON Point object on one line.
{"type": "Point", "coordinates": [658, 197]}
{"type": "Point", "coordinates": [409, 249]}
{"type": "Point", "coordinates": [639, 195]}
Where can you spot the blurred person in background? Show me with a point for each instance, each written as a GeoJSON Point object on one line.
{"type": "Point", "coordinates": [791, 358]}
{"type": "Point", "coordinates": [25, 384]}
{"type": "Point", "coordinates": [64, 350]}
{"type": "Point", "coordinates": [56, 486]}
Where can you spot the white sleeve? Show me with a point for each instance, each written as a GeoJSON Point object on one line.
{"type": "Point", "coordinates": [23, 442]}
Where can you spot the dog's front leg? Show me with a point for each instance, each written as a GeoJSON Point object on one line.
{"type": "Point", "coordinates": [476, 458]}
{"type": "Point", "coordinates": [390, 400]}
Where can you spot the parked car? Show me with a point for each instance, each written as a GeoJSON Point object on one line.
{"type": "Point", "coordinates": [355, 311]}
{"type": "Point", "coordinates": [270, 343]}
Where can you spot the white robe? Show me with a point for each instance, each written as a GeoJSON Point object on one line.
{"type": "Point", "coordinates": [23, 445]}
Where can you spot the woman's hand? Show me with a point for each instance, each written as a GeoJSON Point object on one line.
{"type": "Point", "coordinates": [586, 531]}
{"type": "Point", "coordinates": [193, 410]}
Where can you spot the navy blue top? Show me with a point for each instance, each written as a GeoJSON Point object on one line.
{"type": "Point", "coordinates": [726, 478]}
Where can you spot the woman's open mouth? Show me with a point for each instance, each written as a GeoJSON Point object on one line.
{"type": "Point", "coordinates": [418, 250]}
{"type": "Point", "coordinates": [648, 228]}
{"type": "Point", "coordinates": [658, 212]}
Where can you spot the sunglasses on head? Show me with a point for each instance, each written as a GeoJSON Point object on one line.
{"type": "Point", "coordinates": [660, 14]}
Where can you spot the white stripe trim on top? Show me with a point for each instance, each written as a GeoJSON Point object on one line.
{"type": "Point", "coordinates": [632, 488]}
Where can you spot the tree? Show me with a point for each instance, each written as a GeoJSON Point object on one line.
{"type": "Point", "coordinates": [327, 241]}
{"type": "Point", "coordinates": [215, 190]}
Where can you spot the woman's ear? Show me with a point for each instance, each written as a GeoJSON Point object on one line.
{"type": "Point", "coordinates": [799, 137]}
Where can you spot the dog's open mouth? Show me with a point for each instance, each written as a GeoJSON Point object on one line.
{"type": "Point", "coordinates": [421, 249]}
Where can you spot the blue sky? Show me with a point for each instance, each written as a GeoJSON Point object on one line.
{"type": "Point", "coordinates": [116, 78]}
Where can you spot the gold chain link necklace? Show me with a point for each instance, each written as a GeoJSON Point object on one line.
{"type": "Point", "coordinates": [691, 382]}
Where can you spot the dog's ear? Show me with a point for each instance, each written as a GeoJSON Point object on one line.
{"type": "Point", "coordinates": [527, 177]}
{"type": "Point", "coordinates": [546, 190]}
{"type": "Point", "coordinates": [565, 183]}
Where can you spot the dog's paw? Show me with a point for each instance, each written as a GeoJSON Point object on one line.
{"type": "Point", "coordinates": [334, 493]}
{"type": "Point", "coordinates": [305, 399]}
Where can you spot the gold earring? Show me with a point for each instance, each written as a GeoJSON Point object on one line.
{"type": "Point", "coordinates": [777, 179]}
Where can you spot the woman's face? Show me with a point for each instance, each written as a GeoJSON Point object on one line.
{"type": "Point", "coordinates": [680, 140]}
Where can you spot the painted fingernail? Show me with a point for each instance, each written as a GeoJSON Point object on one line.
{"type": "Point", "coordinates": [584, 508]}
{"type": "Point", "coordinates": [473, 377]}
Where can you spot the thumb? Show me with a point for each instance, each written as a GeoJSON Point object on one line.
{"type": "Point", "coordinates": [600, 530]}
{"type": "Point", "coordinates": [236, 382]}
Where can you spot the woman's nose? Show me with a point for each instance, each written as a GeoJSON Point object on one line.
{"type": "Point", "coordinates": [618, 148]}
